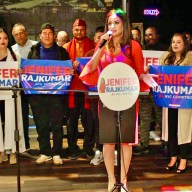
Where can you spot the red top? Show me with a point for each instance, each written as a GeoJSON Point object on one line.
{"type": "Point", "coordinates": [133, 57]}
{"type": "Point", "coordinates": [87, 45]}
{"type": "Point", "coordinates": [74, 51]}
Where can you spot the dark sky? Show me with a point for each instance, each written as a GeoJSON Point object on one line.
{"type": "Point", "coordinates": [175, 16]}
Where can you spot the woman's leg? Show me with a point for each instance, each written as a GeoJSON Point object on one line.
{"type": "Point", "coordinates": [184, 152]}
{"type": "Point", "coordinates": [172, 135]}
{"type": "Point", "coordinates": [109, 155]}
{"type": "Point", "coordinates": [126, 155]}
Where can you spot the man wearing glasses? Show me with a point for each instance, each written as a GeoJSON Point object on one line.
{"type": "Point", "coordinates": [152, 40]}
{"type": "Point", "coordinates": [150, 114]}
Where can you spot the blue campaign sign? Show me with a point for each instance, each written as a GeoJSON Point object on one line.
{"type": "Point", "coordinates": [174, 88]}
{"type": "Point", "coordinates": [46, 76]}
{"type": "Point", "coordinates": [83, 61]}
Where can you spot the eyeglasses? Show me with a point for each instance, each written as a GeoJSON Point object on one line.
{"type": "Point", "coordinates": [150, 35]}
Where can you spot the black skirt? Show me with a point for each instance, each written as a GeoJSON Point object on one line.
{"type": "Point", "coordinates": [109, 125]}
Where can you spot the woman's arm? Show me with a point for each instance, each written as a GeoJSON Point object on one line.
{"type": "Point", "coordinates": [95, 59]}
{"type": "Point", "coordinates": [90, 75]}
{"type": "Point", "coordinates": [97, 55]}
{"type": "Point", "coordinates": [149, 79]}
{"type": "Point", "coordinates": [138, 60]}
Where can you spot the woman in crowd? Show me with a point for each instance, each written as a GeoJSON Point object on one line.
{"type": "Point", "coordinates": [118, 47]}
{"type": "Point", "coordinates": [7, 142]}
{"type": "Point", "coordinates": [177, 123]}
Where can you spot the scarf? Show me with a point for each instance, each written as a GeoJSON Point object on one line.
{"type": "Point", "coordinates": [71, 47]}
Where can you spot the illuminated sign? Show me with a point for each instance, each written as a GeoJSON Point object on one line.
{"type": "Point", "coordinates": [153, 12]}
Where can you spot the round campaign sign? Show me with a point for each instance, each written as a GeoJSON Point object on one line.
{"type": "Point", "coordinates": [118, 86]}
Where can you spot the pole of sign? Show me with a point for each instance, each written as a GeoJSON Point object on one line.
{"type": "Point", "coordinates": [118, 102]}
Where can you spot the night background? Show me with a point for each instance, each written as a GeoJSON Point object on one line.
{"type": "Point", "coordinates": [174, 16]}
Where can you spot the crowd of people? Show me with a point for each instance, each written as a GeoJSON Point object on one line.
{"type": "Point", "coordinates": [51, 112]}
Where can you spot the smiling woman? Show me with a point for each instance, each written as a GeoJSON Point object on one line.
{"type": "Point", "coordinates": [119, 47]}
{"type": "Point", "coordinates": [7, 142]}
{"type": "Point", "coordinates": [3, 44]}
{"type": "Point", "coordinates": [177, 122]}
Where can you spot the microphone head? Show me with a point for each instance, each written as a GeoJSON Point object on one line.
{"type": "Point", "coordinates": [109, 33]}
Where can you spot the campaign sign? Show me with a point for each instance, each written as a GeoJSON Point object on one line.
{"type": "Point", "coordinates": [118, 86]}
{"type": "Point", "coordinates": [46, 76]}
{"type": "Point", "coordinates": [152, 57]}
{"type": "Point", "coordinates": [8, 74]}
{"type": "Point", "coordinates": [83, 61]}
{"type": "Point", "coordinates": [174, 88]}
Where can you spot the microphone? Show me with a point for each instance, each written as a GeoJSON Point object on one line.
{"type": "Point", "coordinates": [104, 40]}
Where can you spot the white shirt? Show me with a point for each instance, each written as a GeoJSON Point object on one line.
{"type": "Point", "coordinates": [7, 140]}
{"type": "Point", "coordinates": [23, 50]}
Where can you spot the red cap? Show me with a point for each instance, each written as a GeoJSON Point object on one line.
{"type": "Point", "coordinates": [79, 22]}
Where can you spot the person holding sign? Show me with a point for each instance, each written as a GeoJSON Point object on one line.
{"type": "Point", "coordinates": [177, 123]}
{"type": "Point", "coordinates": [149, 112]}
{"type": "Point", "coordinates": [22, 46]}
{"type": "Point", "coordinates": [48, 109]}
{"type": "Point", "coordinates": [98, 158]}
{"type": "Point", "coordinates": [79, 105]}
{"type": "Point", "coordinates": [8, 77]}
{"type": "Point", "coordinates": [116, 46]}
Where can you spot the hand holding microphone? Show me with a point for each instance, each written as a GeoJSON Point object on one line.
{"type": "Point", "coordinates": [96, 57]}
{"type": "Point", "coordinates": [106, 37]}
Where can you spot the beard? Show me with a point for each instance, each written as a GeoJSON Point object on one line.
{"type": "Point", "coordinates": [79, 38]}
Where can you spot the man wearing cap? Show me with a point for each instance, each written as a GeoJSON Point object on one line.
{"type": "Point", "coordinates": [22, 47]}
{"type": "Point", "coordinates": [78, 103]}
{"type": "Point", "coordinates": [48, 109]}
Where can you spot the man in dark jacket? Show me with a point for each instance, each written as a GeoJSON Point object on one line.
{"type": "Point", "coordinates": [152, 40]}
{"type": "Point", "coordinates": [150, 114]}
{"type": "Point", "coordinates": [48, 110]}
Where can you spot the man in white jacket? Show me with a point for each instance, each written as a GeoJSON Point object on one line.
{"type": "Point", "coordinates": [23, 46]}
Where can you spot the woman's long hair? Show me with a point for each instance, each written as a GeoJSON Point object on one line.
{"type": "Point", "coordinates": [126, 38]}
{"type": "Point", "coordinates": [8, 46]}
{"type": "Point", "coordinates": [170, 59]}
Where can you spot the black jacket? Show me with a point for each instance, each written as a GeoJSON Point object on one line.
{"type": "Point", "coordinates": [35, 52]}
{"type": "Point", "coordinates": [156, 47]}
